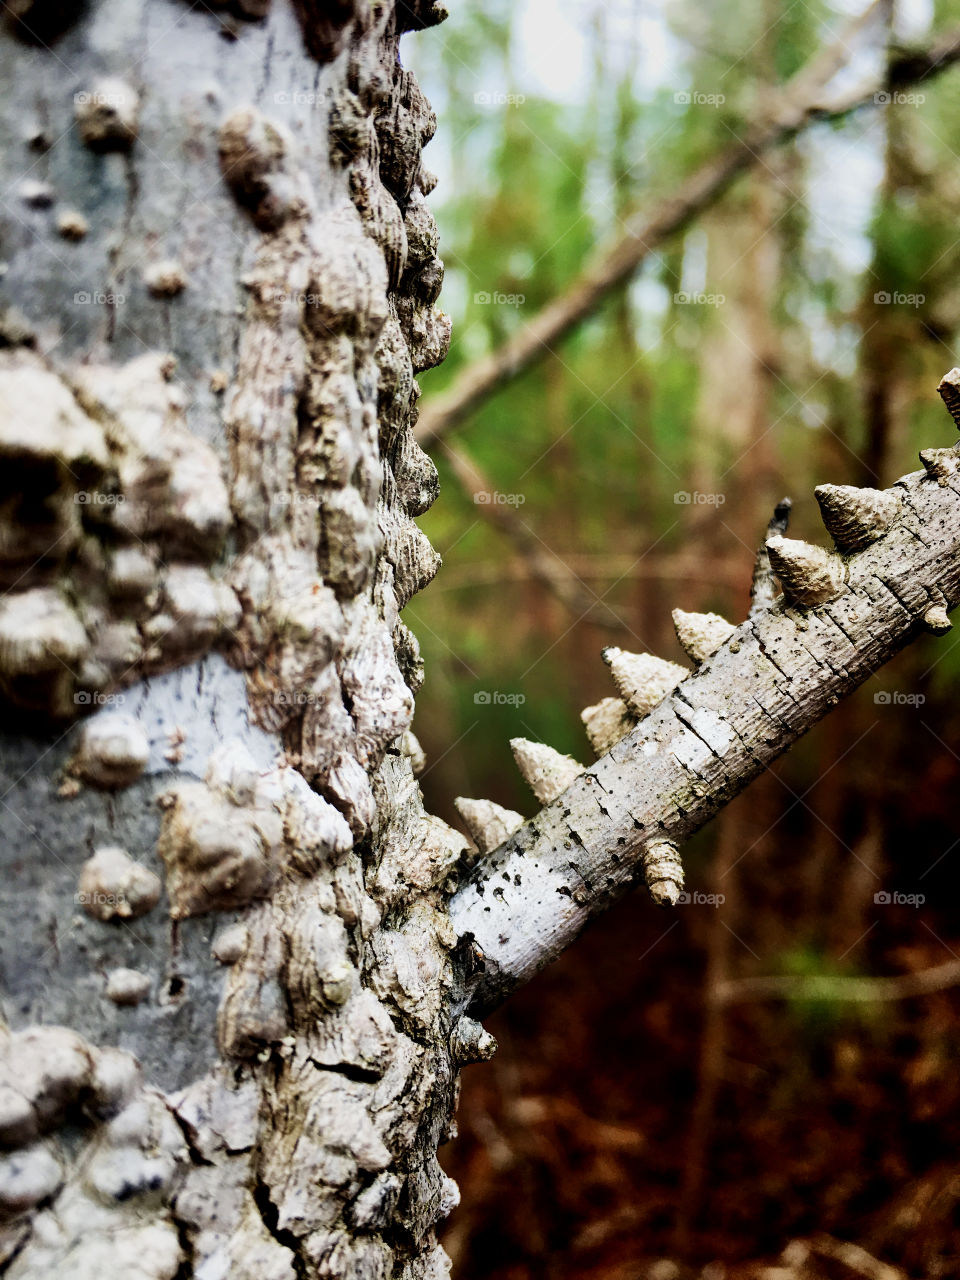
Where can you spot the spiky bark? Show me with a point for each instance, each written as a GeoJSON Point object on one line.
{"type": "Point", "coordinates": [234, 999]}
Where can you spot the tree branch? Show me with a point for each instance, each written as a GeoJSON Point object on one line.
{"type": "Point", "coordinates": [788, 986]}
{"type": "Point", "coordinates": [842, 617]}
{"type": "Point", "coordinates": [800, 104]}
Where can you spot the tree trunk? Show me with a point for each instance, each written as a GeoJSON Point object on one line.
{"type": "Point", "coordinates": [223, 271]}
{"type": "Point", "coordinates": [234, 996]}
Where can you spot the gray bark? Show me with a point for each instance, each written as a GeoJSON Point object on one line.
{"type": "Point", "coordinates": [233, 992]}
{"type": "Point", "coordinates": [226, 966]}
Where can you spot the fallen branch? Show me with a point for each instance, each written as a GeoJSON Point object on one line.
{"type": "Point", "coordinates": [800, 104]}
{"type": "Point", "coordinates": [837, 989]}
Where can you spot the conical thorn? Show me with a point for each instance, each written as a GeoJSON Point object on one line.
{"type": "Point", "coordinates": [547, 772]}
{"type": "Point", "coordinates": [856, 517]}
{"type": "Point", "coordinates": [808, 574]}
{"type": "Point", "coordinates": [949, 389]}
{"type": "Point", "coordinates": [663, 872]}
{"type": "Point", "coordinates": [701, 634]}
{"type": "Point", "coordinates": [489, 824]}
{"type": "Point", "coordinates": [606, 723]}
{"type": "Point", "coordinates": [642, 680]}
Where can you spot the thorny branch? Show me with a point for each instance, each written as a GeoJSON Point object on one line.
{"type": "Point", "coordinates": [681, 746]}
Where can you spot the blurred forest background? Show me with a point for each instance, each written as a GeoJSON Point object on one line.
{"type": "Point", "coordinates": [634, 1123]}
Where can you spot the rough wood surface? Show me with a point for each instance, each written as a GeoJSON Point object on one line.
{"type": "Point", "coordinates": [228, 1042]}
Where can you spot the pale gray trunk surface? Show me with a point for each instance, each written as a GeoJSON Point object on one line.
{"type": "Point", "coordinates": [232, 985]}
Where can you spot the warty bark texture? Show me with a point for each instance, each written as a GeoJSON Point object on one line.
{"type": "Point", "coordinates": [228, 1044]}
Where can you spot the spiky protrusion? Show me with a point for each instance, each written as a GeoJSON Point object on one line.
{"type": "Point", "coordinates": [936, 618]}
{"type": "Point", "coordinates": [856, 517]}
{"type": "Point", "coordinates": [488, 824]}
{"type": "Point", "coordinates": [949, 389]}
{"type": "Point", "coordinates": [940, 464]}
{"type": "Point", "coordinates": [808, 574]}
{"type": "Point", "coordinates": [546, 771]}
{"type": "Point", "coordinates": [470, 1042]}
{"type": "Point", "coordinates": [641, 679]}
{"type": "Point", "coordinates": [663, 872]}
{"type": "Point", "coordinates": [701, 634]}
{"type": "Point", "coordinates": [606, 722]}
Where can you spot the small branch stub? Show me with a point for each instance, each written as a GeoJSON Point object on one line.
{"type": "Point", "coordinates": [663, 872]}
{"type": "Point", "coordinates": [856, 517]}
{"type": "Point", "coordinates": [940, 464]}
{"type": "Point", "coordinates": [936, 618]}
{"type": "Point", "coordinates": [949, 389]}
{"type": "Point", "coordinates": [808, 574]}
